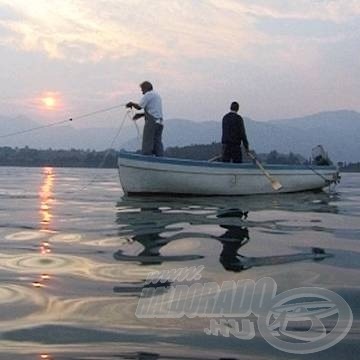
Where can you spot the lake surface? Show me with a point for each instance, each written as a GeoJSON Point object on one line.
{"type": "Point", "coordinates": [75, 254]}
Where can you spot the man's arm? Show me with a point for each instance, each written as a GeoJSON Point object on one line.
{"type": "Point", "coordinates": [138, 116]}
{"type": "Point", "coordinates": [137, 107]}
{"type": "Point", "coordinates": [244, 137]}
{"type": "Point", "coordinates": [133, 105]}
{"type": "Point", "coordinates": [225, 131]}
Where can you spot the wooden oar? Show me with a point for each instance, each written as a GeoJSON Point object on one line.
{"type": "Point", "coordinates": [275, 184]}
{"type": "Point", "coordinates": [215, 158]}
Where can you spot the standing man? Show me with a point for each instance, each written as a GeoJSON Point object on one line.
{"type": "Point", "coordinates": [153, 128]}
{"type": "Point", "coordinates": [233, 134]}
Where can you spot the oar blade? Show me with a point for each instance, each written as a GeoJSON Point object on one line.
{"type": "Point", "coordinates": [276, 185]}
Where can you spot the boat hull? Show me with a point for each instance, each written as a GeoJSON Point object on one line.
{"type": "Point", "coordinates": [151, 175]}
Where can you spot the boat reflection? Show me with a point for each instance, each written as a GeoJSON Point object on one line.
{"type": "Point", "coordinates": [146, 227]}
{"type": "Point", "coordinates": [236, 237]}
{"type": "Point", "coordinates": [232, 240]}
{"type": "Point", "coordinates": [153, 225]}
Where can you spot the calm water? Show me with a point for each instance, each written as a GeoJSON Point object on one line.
{"type": "Point", "coordinates": [75, 253]}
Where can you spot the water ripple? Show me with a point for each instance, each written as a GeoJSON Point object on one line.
{"type": "Point", "coordinates": [40, 263]}
{"type": "Point", "coordinates": [26, 235]}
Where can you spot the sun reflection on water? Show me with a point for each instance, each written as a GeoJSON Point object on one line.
{"type": "Point", "coordinates": [46, 357]}
{"type": "Point", "coordinates": [46, 198]}
{"type": "Point", "coordinates": [46, 201]}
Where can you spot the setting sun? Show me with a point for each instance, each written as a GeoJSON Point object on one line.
{"type": "Point", "coordinates": [49, 102]}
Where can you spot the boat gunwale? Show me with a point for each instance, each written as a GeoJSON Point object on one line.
{"type": "Point", "coordinates": [219, 165]}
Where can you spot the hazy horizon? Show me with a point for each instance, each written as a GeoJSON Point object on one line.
{"type": "Point", "coordinates": [114, 120]}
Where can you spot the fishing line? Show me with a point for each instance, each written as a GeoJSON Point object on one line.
{"type": "Point", "coordinates": [126, 115]}
{"type": "Point", "coordinates": [137, 128]}
{"type": "Point", "coordinates": [82, 116]}
{"type": "Point", "coordinates": [96, 112]}
{"type": "Point", "coordinates": [33, 129]}
{"type": "Point", "coordinates": [61, 122]}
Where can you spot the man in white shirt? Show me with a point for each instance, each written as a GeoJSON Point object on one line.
{"type": "Point", "coordinates": [153, 128]}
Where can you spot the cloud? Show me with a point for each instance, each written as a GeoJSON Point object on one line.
{"type": "Point", "coordinates": [84, 31]}
{"type": "Point", "coordinates": [326, 10]}
{"type": "Point", "coordinates": [56, 26]}
{"type": "Point", "coordinates": [117, 29]}
{"type": "Point", "coordinates": [8, 13]}
{"type": "Point", "coordinates": [99, 50]}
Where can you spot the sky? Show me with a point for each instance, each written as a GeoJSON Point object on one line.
{"type": "Point", "coordinates": [277, 58]}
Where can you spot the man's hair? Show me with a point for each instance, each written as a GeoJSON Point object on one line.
{"type": "Point", "coordinates": [234, 106]}
{"type": "Point", "coordinates": [146, 86]}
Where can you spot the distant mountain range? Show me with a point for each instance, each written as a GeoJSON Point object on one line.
{"type": "Point", "coordinates": [337, 131]}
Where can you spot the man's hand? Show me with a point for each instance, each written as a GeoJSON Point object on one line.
{"type": "Point", "coordinates": [137, 116]}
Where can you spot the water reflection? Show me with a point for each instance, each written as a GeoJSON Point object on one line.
{"type": "Point", "coordinates": [46, 357]}
{"type": "Point", "coordinates": [138, 355]}
{"type": "Point", "coordinates": [60, 280]}
{"type": "Point", "coordinates": [236, 237]}
{"type": "Point", "coordinates": [45, 211]}
{"type": "Point", "coordinates": [232, 240]}
{"type": "Point", "coordinates": [46, 198]}
{"type": "Point", "coordinates": [231, 260]}
{"type": "Point", "coordinates": [154, 228]}
{"type": "Point", "coordinates": [145, 229]}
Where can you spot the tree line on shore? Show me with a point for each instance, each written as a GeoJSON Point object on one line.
{"type": "Point", "coordinates": [108, 158]}
{"type": "Point", "coordinates": [57, 158]}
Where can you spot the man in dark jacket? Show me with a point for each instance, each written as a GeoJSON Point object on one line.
{"type": "Point", "coordinates": [233, 134]}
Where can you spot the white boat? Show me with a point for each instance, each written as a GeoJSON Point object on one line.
{"type": "Point", "coordinates": [141, 174]}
